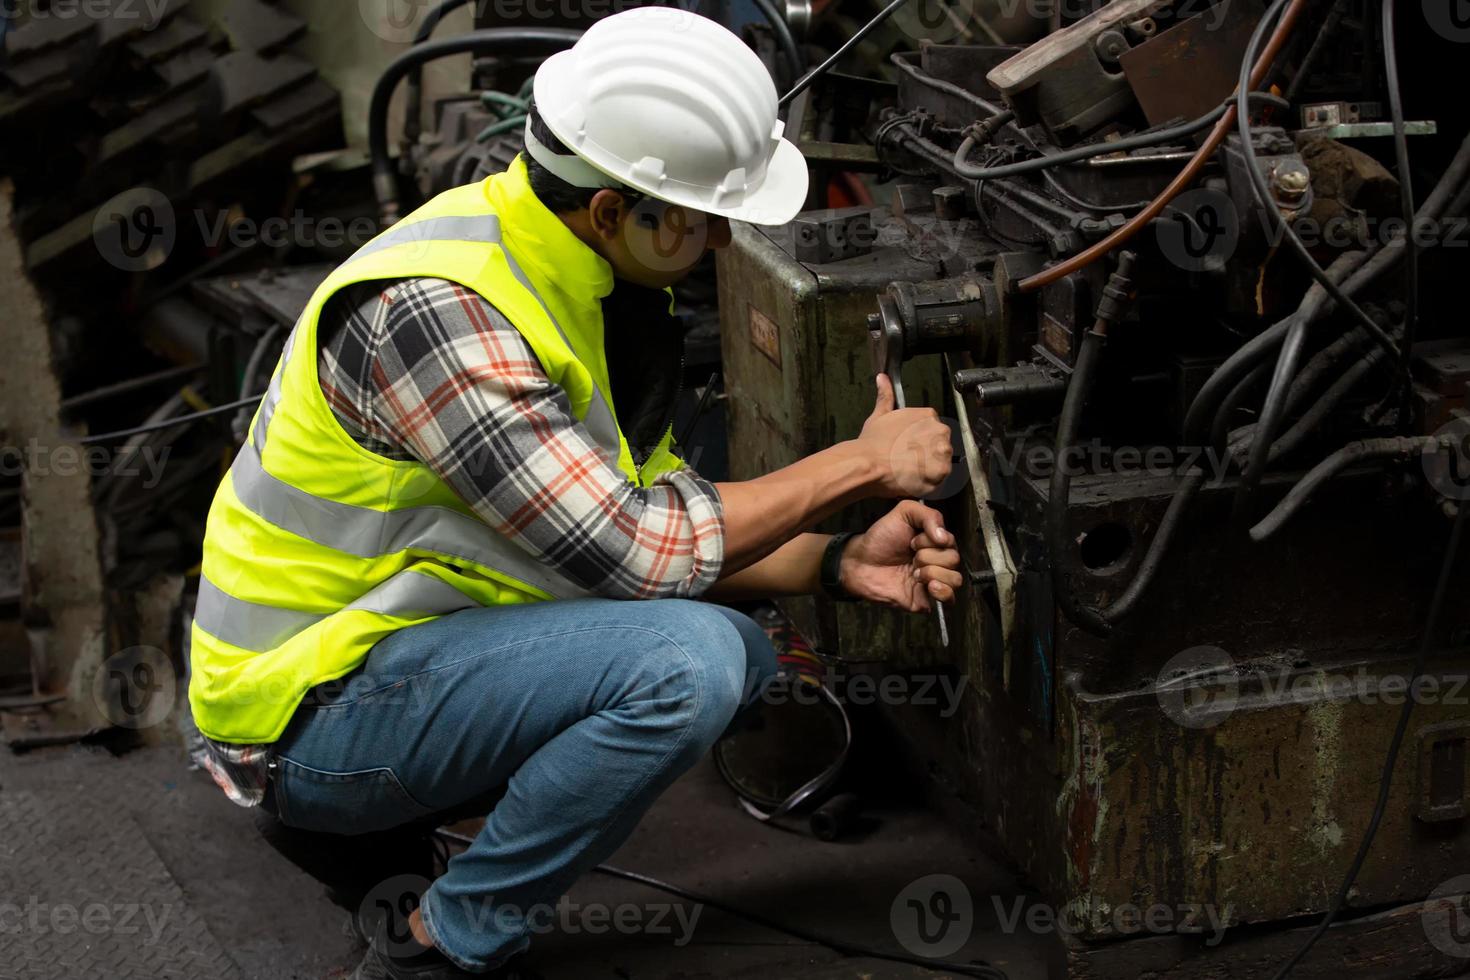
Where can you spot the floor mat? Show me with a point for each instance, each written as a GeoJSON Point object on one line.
{"type": "Point", "coordinates": [82, 894]}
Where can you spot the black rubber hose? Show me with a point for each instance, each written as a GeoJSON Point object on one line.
{"type": "Point", "coordinates": [1058, 538]}
{"type": "Point", "coordinates": [1335, 393]}
{"type": "Point", "coordinates": [1219, 432]}
{"type": "Point", "coordinates": [1244, 359]}
{"type": "Point", "coordinates": [1153, 137]}
{"type": "Point", "coordinates": [1077, 154]}
{"type": "Point", "coordinates": [413, 122]}
{"type": "Point", "coordinates": [980, 970]}
{"type": "Point", "coordinates": [1374, 263]}
{"type": "Point", "coordinates": [1158, 547]}
{"type": "Point", "coordinates": [385, 182]}
{"type": "Point", "coordinates": [1273, 409]}
{"type": "Point", "coordinates": [1257, 181]}
{"type": "Point", "coordinates": [1324, 362]}
{"type": "Point", "coordinates": [784, 40]}
{"type": "Point", "coordinates": [1394, 447]}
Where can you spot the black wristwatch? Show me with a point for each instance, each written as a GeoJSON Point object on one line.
{"type": "Point", "coordinates": [830, 574]}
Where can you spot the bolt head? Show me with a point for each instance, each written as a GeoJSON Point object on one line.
{"type": "Point", "coordinates": [1293, 181]}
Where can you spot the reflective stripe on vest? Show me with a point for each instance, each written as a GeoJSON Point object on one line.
{"type": "Point", "coordinates": [369, 533]}
{"type": "Point", "coordinates": [251, 626]}
{"type": "Point", "coordinates": [486, 228]}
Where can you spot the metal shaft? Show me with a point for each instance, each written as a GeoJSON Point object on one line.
{"type": "Point", "coordinates": [898, 402]}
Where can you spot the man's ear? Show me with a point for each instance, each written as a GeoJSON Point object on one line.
{"type": "Point", "coordinates": [605, 213]}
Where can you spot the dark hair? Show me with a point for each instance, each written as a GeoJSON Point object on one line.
{"type": "Point", "coordinates": [559, 196]}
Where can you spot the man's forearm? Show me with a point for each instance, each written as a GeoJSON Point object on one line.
{"type": "Point", "coordinates": [763, 514]}
{"type": "Point", "coordinates": [792, 569]}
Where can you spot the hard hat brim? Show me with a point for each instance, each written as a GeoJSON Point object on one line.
{"type": "Point", "coordinates": [776, 200]}
{"type": "Point", "coordinates": [779, 197]}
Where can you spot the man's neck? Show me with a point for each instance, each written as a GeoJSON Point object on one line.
{"type": "Point", "coordinates": [580, 224]}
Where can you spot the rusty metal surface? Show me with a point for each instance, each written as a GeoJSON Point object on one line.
{"type": "Point", "coordinates": [1189, 69]}
{"type": "Point", "coordinates": [798, 373]}
{"type": "Point", "coordinates": [1063, 746]}
{"type": "Point", "coordinates": [1106, 799]}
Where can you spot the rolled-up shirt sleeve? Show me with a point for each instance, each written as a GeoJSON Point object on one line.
{"type": "Point", "coordinates": [452, 382]}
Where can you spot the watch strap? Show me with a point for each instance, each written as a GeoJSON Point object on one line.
{"type": "Point", "coordinates": [830, 572]}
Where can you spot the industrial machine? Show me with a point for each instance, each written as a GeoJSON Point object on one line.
{"type": "Point", "coordinates": [1149, 256]}
{"type": "Point", "coordinates": [1204, 490]}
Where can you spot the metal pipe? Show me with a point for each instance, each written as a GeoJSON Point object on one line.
{"type": "Point", "coordinates": [385, 181]}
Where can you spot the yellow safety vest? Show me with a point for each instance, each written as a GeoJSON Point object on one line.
{"type": "Point", "coordinates": [316, 548]}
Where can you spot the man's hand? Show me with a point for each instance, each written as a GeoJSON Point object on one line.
{"type": "Point", "coordinates": [909, 446]}
{"type": "Point", "coordinates": [905, 560]}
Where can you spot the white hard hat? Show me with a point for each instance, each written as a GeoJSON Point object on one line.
{"type": "Point", "coordinates": [674, 105]}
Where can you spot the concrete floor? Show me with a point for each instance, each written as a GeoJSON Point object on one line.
{"type": "Point", "coordinates": [276, 923]}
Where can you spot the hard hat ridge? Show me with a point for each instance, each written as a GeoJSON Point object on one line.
{"type": "Point", "coordinates": [674, 105]}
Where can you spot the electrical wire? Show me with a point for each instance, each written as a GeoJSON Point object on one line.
{"type": "Point", "coordinates": [1076, 154]}
{"type": "Point", "coordinates": [984, 971]}
{"type": "Point", "coordinates": [1185, 176]}
{"type": "Point", "coordinates": [961, 166]}
{"type": "Point", "coordinates": [949, 88]}
{"type": "Point", "coordinates": [1354, 269]}
{"type": "Point", "coordinates": [1385, 782]}
{"type": "Point", "coordinates": [806, 80]}
{"type": "Point", "coordinates": [170, 423]}
{"type": "Point", "coordinates": [1273, 407]}
{"type": "Point", "coordinates": [1257, 181]}
{"type": "Point", "coordinates": [1406, 189]}
{"type": "Point", "coordinates": [880, 140]}
{"type": "Point", "coordinates": [512, 110]}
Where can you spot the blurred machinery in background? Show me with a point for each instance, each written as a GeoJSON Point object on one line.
{"type": "Point", "coordinates": [1209, 403]}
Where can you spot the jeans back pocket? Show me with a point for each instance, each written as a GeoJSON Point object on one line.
{"type": "Point", "coordinates": [342, 802]}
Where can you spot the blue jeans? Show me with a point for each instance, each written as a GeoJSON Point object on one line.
{"type": "Point", "coordinates": [581, 711]}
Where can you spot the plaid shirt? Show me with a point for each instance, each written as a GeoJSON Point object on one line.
{"type": "Point", "coordinates": [425, 369]}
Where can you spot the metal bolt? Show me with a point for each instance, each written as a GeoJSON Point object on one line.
{"type": "Point", "coordinates": [1110, 46]}
{"type": "Point", "coordinates": [1292, 181]}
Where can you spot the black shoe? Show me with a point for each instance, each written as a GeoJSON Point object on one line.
{"type": "Point", "coordinates": [390, 960]}
{"type": "Point", "coordinates": [383, 910]}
